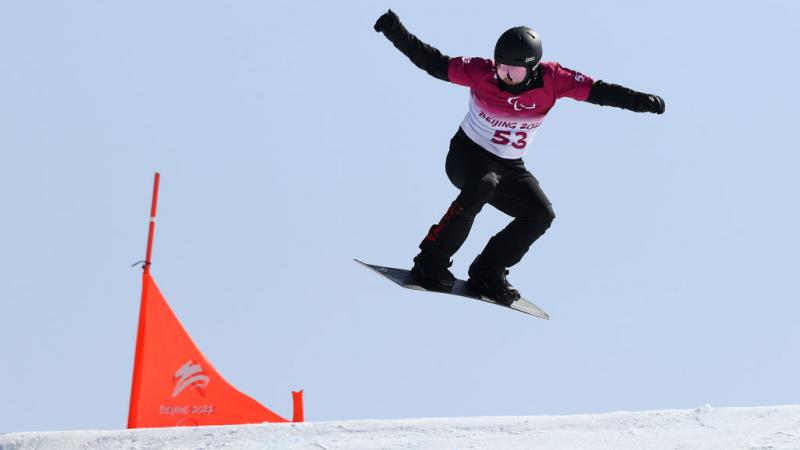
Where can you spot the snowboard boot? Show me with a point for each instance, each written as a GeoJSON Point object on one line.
{"type": "Point", "coordinates": [492, 282]}
{"type": "Point", "coordinates": [431, 269]}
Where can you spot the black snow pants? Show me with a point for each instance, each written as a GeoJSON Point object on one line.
{"type": "Point", "coordinates": [505, 184]}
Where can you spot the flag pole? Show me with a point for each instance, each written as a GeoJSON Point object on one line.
{"type": "Point", "coordinates": [152, 230]}
{"type": "Point", "coordinates": [133, 406]}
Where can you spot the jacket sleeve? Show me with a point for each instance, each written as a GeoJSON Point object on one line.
{"type": "Point", "coordinates": [571, 83]}
{"type": "Point", "coordinates": [607, 94]}
{"type": "Point", "coordinates": [424, 56]}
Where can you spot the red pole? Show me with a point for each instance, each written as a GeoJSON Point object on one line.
{"type": "Point", "coordinates": [299, 414]}
{"type": "Point", "coordinates": [151, 232]}
{"type": "Point", "coordinates": [133, 407]}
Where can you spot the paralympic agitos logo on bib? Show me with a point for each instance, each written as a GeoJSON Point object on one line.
{"type": "Point", "coordinates": [514, 101]}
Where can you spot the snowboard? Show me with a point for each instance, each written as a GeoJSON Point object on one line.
{"type": "Point", "coordinates": [406, 279]}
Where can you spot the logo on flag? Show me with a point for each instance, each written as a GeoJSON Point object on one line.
{"type": "Point", "coordinates": [190, 375]}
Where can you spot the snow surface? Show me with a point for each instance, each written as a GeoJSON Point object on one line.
{"type": "Point", "coordinates": [774, 428]}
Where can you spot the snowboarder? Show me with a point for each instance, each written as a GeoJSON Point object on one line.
{"type": "Point", "coordinates": [510, 96]}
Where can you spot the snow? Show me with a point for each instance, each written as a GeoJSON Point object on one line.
{"type": "Point", "coordinates": [773, 428]}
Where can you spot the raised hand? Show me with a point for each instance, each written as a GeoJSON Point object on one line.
{"type": "Point", "coordinates": [387, 23]}
{"type": "Point", "coordinates": [651, 103]}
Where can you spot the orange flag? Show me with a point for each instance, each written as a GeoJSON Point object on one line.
{"type": "Point", "coordinates": [175, 385]}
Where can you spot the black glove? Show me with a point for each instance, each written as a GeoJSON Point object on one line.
{"type": "Point", "coordinates": [650, 103]}
{"type": "Point", "coordinates": [387, 23]}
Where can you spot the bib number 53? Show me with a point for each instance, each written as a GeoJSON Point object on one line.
{"type": "Point", "coordinates": [517, 139]}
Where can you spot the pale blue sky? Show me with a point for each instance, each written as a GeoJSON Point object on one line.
{"type": "Point", "coordinates": [293, 138]}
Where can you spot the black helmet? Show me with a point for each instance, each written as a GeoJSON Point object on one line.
{"type": "Point", "coordinates": [519, 46]}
